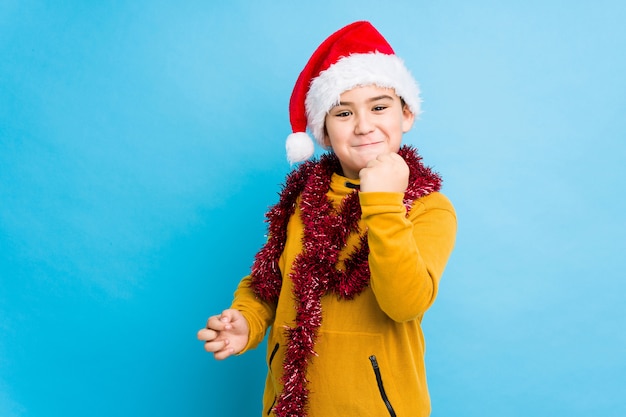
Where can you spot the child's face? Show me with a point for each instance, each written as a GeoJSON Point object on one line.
{"type": "Point", "coordinates": [368, 122]}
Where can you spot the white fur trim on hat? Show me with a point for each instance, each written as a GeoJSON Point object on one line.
{"type": "Point", "coordinates": [382, 70]}
{"type": "Point", "coordinates": [299, 147]}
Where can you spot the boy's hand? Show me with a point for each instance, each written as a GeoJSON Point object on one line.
{"type": "Point", "coordinates": [225, 335]}
{"type": "Point", "coordinates": [388, 173]}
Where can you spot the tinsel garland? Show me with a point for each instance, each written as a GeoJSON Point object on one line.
{"type": "Point", "coordinates": [314, 272]}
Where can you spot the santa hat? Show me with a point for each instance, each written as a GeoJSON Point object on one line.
{"type": "Point", "coordinates": [356, 55]}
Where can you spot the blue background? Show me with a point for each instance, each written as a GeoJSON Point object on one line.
{"type": "Point", "coordinates": [142, 142]}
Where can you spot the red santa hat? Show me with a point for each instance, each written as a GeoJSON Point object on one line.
{"type": "Point", "coordinates": [355, 55]}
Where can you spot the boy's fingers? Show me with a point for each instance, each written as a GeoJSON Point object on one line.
{"type": "Point", "coordinates": [218, 323]}
{"type": "Point", "coordinates": [211, 321]}
{"type": "Point", "coordinates": [207, 334]}
{"type": "Point", "coordinates": [217, 346]}
{"type": "Point", "coordinates": [228, 316]}
{"type": "Point", "coordinates": [223, 354]}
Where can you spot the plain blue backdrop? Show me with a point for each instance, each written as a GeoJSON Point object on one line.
{"type": "Point", "coordinates": [142, 142]}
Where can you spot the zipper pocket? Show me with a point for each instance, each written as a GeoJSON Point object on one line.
{"type": "Point", "coordinates": [273, 354]}
{"type": "Point", "coordinates": [269, 410]}
{"type": "Point", "coordinates": [381, 388]}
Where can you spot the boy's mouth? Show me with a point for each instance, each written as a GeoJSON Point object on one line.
{"type": "Point", "coordinates": [364, 145]}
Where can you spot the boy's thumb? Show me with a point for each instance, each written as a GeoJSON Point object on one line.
{"type": "Point", "coordinates": [227, 315]}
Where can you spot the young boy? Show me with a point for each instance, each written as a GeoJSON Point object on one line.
{"type": "Point", "coordinates": [357, 245]}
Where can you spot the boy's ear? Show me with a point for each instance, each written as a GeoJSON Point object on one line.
{"type": "Point", "coordinates": [326, 138]}
{"type": "Point", "coordinates": [407, 119]}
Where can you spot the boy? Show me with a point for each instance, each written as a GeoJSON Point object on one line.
{"type": "Point", "coordinates": [357, 244]}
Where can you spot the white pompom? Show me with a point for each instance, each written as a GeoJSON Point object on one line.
{"type": "Point", "coordinates": [299, 147]}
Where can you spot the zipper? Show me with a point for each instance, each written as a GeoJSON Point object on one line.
{"type": "Point", "coordinates": [273, 354]}
{"type": "Point", "coordinates": [381, 388]}
{"type": "Point", "coordinates": [269, 410]}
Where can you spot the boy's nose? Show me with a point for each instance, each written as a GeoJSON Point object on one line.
{"type": "Point", "coordinates": [363, 125]}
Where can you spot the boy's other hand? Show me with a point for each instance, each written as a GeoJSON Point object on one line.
{"type": "Point", "coordinates": [225, 335]}
{"type": "Point", "coordinates": [387, 173]}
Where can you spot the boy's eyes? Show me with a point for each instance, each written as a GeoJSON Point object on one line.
{"type": "Point", "coordinates": [346, 113]}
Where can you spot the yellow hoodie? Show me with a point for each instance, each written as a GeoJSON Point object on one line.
{"type": "Point", "coordinates": [370, 350]}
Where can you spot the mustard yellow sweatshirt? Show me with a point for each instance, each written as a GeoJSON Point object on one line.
{"type": "Point", "coordinates": [370, 350]}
